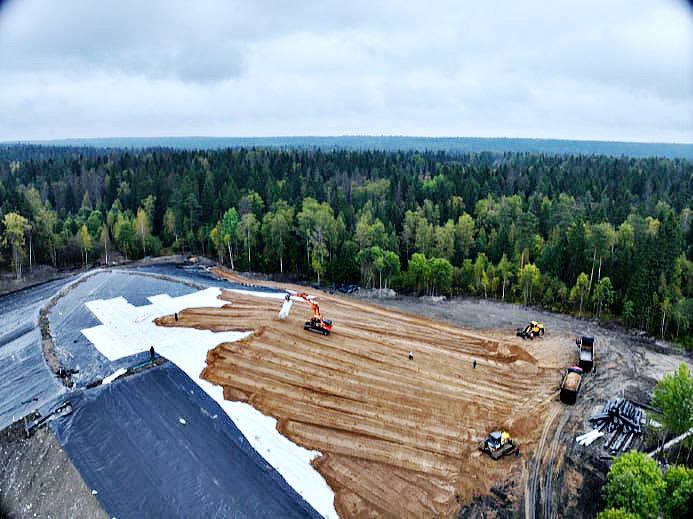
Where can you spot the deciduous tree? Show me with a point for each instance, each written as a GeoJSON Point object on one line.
{"type": "Point", "coordinates": [529, 279]}
{"type": "Point", "coordinates": [678, 502]}
{"type": "Point", "coordinates": [85, 243]}
{"type": "Point", "coordinates": [14, 236]}
{"type": "Point", "coordinates": [635, 484]}
{"type": "Point", "coordinates": [580, 290]}
{"type": "Point", "coordinates": [248, 229]}
{"type": "Point", "coordinates": [277, 227]}
{"type": "Point", "coordinates": [505, 272]}
{"type": "Point", "coordinates": [673, 394]}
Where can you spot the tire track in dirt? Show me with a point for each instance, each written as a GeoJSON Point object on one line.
{"type": "Point", "coordinates": [547, 495]}
{"type": "Point", "coordinates": [531, 490]}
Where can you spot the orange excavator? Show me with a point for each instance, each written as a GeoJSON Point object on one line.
{"type": "Point", "coordinates": [316, 324]}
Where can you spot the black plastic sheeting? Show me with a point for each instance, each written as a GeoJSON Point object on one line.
{"type": "Point", "coordinates": [198, 274]}
{"type": "Point", "coordinates": [126, 439]}
{"type": "Point", "coordinates": [26, 382]}
{"type": "Point", "coordinates": [30, 297]}
{"type": "Point", "coordinates": [19, 309]}
{"type": "Point", "coordinates": [70, 316]}
{"type": "Point", "coordinates": [130, 446]}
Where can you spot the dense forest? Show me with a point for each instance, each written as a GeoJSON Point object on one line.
{"type": "Point", "coordinates": [595, 235]}
{"type": "Point", "coordinates": [395, 143]}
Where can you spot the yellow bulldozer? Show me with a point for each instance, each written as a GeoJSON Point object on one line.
{"type": "Point", "coordinates": [532, 330]}
{"type": "Point", "coordinates": [498, 444]}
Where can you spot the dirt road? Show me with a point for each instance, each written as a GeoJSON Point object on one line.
{"type": "Point", "coordinates": [398, 437]}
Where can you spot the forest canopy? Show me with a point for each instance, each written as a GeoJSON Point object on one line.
{"type": "Point", "coordinates": [595, 235]}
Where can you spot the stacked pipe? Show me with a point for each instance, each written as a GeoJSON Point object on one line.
{"type": "Point", "coordinates": [621, 420]}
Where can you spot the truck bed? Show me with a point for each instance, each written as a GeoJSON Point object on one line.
{"type": "Point", "coordinates": [571, 382]}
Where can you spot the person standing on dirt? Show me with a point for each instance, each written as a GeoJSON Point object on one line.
{"type": "Point", "coordinates": [474, 364]}
{"type": "Point", "coordinates": [517, 452]}
{"type": "Point", "coordinates": [411, 355]}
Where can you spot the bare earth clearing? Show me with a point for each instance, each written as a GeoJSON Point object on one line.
{"type": "Point", "coordinates": [398, 437]}
{"type": "Point", "coordinates": [562, 476]}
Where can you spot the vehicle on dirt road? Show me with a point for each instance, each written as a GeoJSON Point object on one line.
{"type": "Point", "coordinates": [532, 330]}
{"type": "Point", "coordinates": [498, 444]}
{"type": "Point", "coordinates": [586, 347]}
{"type": "Point", "coordinates": [570, 385]}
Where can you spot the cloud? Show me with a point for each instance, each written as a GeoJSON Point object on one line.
{"type": "Point", "coordinates": [603, 70]}
{"type": "Point", "coordinates": [138, 38]}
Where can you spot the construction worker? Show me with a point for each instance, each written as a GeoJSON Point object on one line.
{"type": "Point", "coordinates": [411, 355]}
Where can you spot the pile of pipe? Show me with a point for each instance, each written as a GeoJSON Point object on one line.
{"type": "Point", "coordinates": [622, 420]}
{"type": "Point", "coordinates": [588, 438]}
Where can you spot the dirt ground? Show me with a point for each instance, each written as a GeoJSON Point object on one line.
{"type": "Point", "coordinates": [38, 480]}
{"type": "Point", "coordinates": [561, 475]}
{"type": "Point", "coordinates": [398, 437]}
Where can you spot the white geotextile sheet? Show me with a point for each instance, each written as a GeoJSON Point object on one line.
{"type": "Point", "coordinates": [128, 329]}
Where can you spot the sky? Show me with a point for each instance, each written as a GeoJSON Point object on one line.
{"type": "Point", "coordinates": [588, 69]}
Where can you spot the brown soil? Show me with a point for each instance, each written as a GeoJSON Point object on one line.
{"type": "Point", "coordinates": [564, 477]}
{"type": "Point", "coordinates": [37, 479]}
{"type": "Point", "coordinates": [397, 437]}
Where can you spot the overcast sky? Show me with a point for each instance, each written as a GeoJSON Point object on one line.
{"type": "Point", "coordinates": [608, 70]}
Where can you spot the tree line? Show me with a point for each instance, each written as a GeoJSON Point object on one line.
{"type": "Point", "coordinates": [595, 235]}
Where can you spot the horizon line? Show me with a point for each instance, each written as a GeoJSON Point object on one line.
{"type": "Point", "coordinates": [336, 136]}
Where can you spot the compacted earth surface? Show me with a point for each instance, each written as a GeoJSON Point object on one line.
{"type": "Point", "coordinates": [37, 478]}
{"type": "Point", "coordinates": [395, 436]}
{"type": "Point", "coordinates": [559, 475]}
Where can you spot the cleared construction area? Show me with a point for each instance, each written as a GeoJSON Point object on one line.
{"type": "Point", "coordinates": [398, 437]}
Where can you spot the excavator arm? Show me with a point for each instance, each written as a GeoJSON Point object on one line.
{"type": "Point", "coordinates": [313, 305]}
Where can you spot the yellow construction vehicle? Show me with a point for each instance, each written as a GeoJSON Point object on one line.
{"type": "Point", "coordinates": [532, 330]}
{"type": "Point", "coordinates": [498, 444]}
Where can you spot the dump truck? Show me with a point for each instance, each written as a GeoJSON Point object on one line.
{"type": "Point", "coordinates": [570, 385]}
{"type": "Point", "coordinates": [498, 444]}
{"type": "Point", "coordinates": [532, 330]}
{"type": "Point", "coordinates": [586, 348]}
